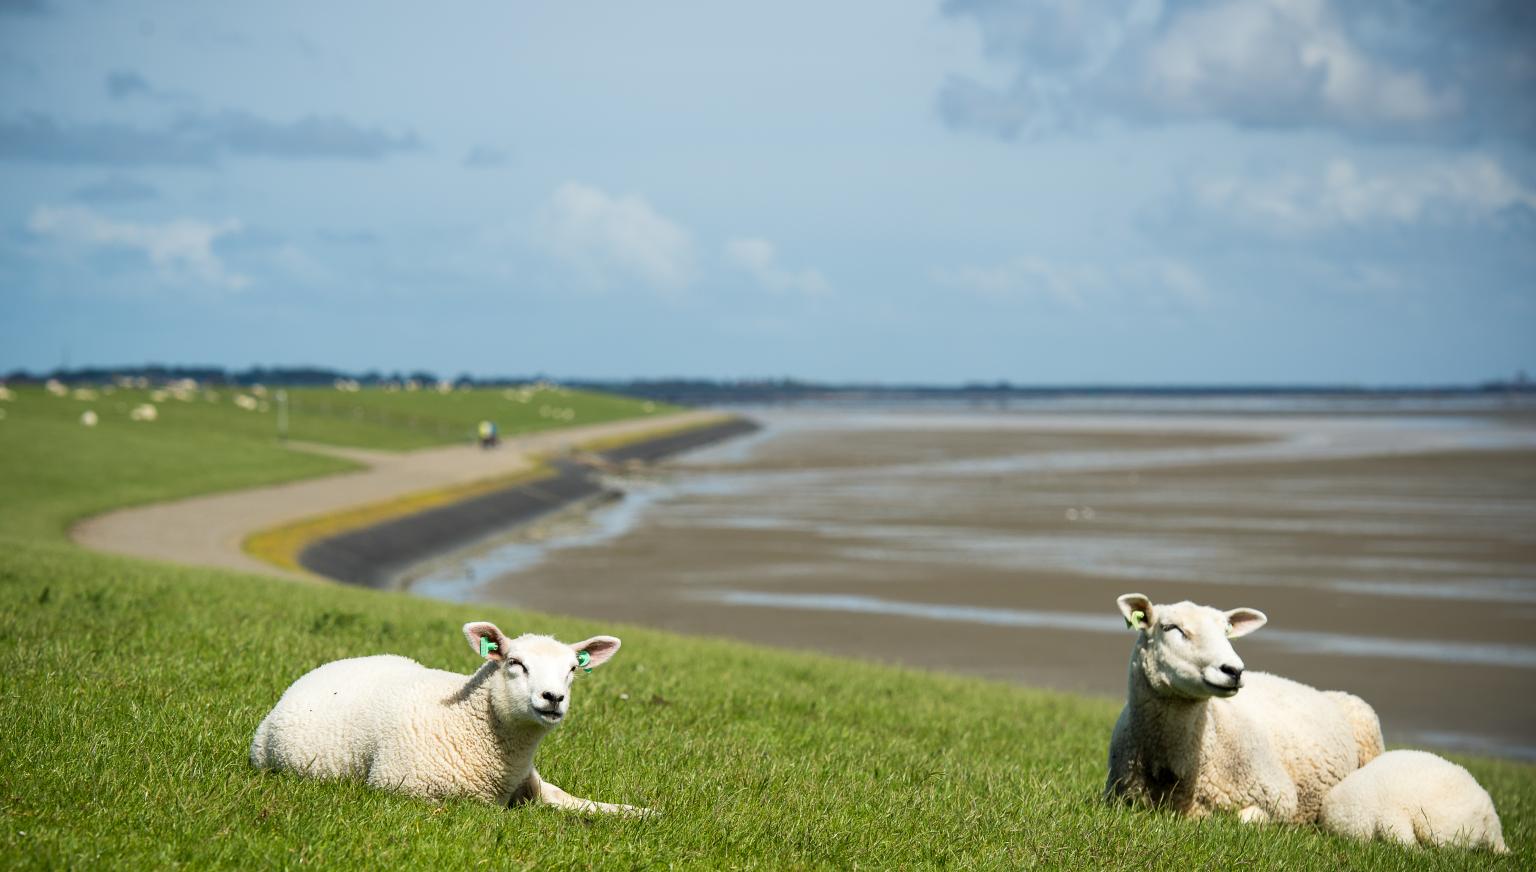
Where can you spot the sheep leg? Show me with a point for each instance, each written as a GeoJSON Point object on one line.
{"type": "Point", "coordinates": [554, 796]}
{"type": "Point", "coordinates": [1253, 815]}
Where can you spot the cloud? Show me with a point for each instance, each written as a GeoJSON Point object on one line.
{"type": "Point", "coordinates": [127, 84]}
{"type": "Point", "coordinates": [1419, 70]}
{"type": "Point", "coordinates": [24, 7]}
{"type": "Point", "coordinates": [486, 157]}
{"type": "Point", "coordinates": [179, 250]}
{"type": "Point", "coordinates": [116, 189]}
{"type": "Point", "coordinates": [1032, 278]}
{"type": "Point", "coordinates": [608, 238]}
{"type": "Point", "coordinates": [196, 139]}
{"type": "Point", "coordinates": [325, 136]}
{"type": "Point", "coordinates": [1023, 277]}
{"type": "Point", "coordinates": [758, 259]}
{"type": "Point", "coordinates": [1341, 195]}
{"type": "Point", "coordinates": [1181, 281]}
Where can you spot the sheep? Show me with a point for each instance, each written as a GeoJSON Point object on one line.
{"type": "Point", "coordinates": [1414, 798]}
{"type": "Point", "coordinates": [144, 412]}
{"type": "Point", "coordinates": [88, 418]}
{"type": "Point", "coordinates": [431, 733]}
{"type": "Point", "coordinates": [1187, 738]}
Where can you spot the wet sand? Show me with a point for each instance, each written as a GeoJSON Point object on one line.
{"type": "Point", "coordinates": [1396, 558]}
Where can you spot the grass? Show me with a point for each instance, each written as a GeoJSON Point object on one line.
{"type": "Point", "coordinates": [282, 545]}
{"type": "Point", "coordinates": [371, 418]}
{"type": "Point", "coordinates": [129, 691]}
{"type": "Point", "coordinates": [418, 418]}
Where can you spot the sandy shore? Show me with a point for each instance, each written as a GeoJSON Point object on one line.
{"type": "Point", "coordinates": [209, 530]}
{"type": "Point", "coordinates": [1395, 558]}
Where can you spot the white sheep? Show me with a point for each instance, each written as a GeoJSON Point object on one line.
{"type": "Point", "coordinates": [144, 412]}
{"type": "Point", "coordinates": [427, 732]}
{"type": "Point", "coordinates": [88, 418]}
{"type": "Point", "coordinates": [1414, 798]}
{"type": "Point", "coordinates": [1189, 740]}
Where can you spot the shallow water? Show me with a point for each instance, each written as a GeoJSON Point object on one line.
{"type": "Point", "coordinates": [1395, 555]}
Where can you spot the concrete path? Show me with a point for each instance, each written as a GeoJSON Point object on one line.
{"type": "Point", "coordinates": [208, 530]}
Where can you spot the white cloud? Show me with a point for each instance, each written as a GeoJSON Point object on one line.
{"type": "Point", "coordinates": [1161, 280]}
{"type": "Point", "coordinates": [1182, 281]}
{"type": "Point", "coordinates": [605, 237]}
{"type": "Point", "coordinates": [180, 249]}
{"type": "Point", "coordinates": [759, 259]}
{"type": "Point", "coordinates": [1342, 195]}
{"type": "Point", "coordinates": [1272, 58]}
{"type": "Point", "coordinates": [1264, 63]}
{"type": "Point", "coordinates": [1026, 276]}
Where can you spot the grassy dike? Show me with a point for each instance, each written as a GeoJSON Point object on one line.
{"type": "Point", "coordinates": [129, 691]}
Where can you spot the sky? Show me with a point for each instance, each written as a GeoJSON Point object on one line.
{"type": "Point", "coordinates": [940, 191]}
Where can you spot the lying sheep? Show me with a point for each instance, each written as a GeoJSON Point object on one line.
{"type": "Point", "coordinates": [1415, 798]}
{"type": "Point", "coordinates": [1187, 738]}
{"type": "Point", "coordinates": [397, 724]}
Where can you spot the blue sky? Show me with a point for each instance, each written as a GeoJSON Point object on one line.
{"type": "Point", "coordinates": [1052, 192]}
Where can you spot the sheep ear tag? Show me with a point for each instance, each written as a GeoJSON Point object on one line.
{"type": "Point", "coordinates": [582, 659]}
{"type": "Point", "coordinates": [487, 646]}
{"type": "Point", "coordinates": [1135, 619]}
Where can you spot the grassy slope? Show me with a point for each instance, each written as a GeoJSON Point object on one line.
{"type": "Point", "coordinates": [129, 690]}
{"type": "Point", "coordinates": [428, 417]}
{"type": "Point", "coordinates": [367, 419]}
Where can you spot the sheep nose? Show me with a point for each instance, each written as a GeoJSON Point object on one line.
{"type": "Point", "coordinates": [1235, 671]}
{"type": "Point", "coordinates": [553, 697]}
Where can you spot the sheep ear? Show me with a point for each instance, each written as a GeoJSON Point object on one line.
{"type": "Point", "coordinates": [598, 648]}
{"type": "Point", "coordinates": [1137, 610]}
{"type": "Point", "coordinates": [1241, 622]}
{"type": "Point", "coordinates": [495, 645]}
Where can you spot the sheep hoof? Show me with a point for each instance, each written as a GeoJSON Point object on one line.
{"type": "Point", "coordinates": [1253, 815]}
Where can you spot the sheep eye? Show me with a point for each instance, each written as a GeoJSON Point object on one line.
{"type": "Point", "coordinates": [518, 663]}
{"type": "Point", "coordinates": [1174, 628]}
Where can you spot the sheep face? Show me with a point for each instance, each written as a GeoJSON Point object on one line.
{"type": "Point", "coordinates": [1184, 649]}
{"type": "Point", "coordinates": [533, 675]}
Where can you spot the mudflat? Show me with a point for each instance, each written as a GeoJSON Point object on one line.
{"type": "Point", "coordinates": [1395, 557]}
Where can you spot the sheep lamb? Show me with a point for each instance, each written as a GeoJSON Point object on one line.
{"type": "Point", "coordinates": [1199, 735]}
{"type": "Point", "coordinates": [1414, 798]}
{"type": "Point", "coordinates": [397, 724]}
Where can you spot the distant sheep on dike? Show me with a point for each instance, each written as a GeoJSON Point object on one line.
{"type": "Point", "coordinates": [1200, 735]}
{"type": "Point", "coordinates": [1414, 798]}
{"type": "Point", "coordinates": [397, 724]}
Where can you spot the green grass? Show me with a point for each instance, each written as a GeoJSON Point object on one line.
{"type": "Point", "coordinates": [371, 418]}
{"type": "Point", "coordinates": [416, 418]}
{"type": "Point", "coordinates": [129, 691]}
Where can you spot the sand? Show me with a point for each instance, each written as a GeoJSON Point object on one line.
{"type": "Point", "coordinates": [1395, 558]}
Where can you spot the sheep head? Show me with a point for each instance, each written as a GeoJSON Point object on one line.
{"type": "Point", "coordinates": [533, 674]}
{"type": "Point", "coordinates": [1184, 650]}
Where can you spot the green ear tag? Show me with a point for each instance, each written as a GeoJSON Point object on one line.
{"type": "Point", "coordinates": [582, 659]}
{"type": "Point", "coordinates": [487, 646]}
{"type": "Point", "coordinates": [1135, 619]}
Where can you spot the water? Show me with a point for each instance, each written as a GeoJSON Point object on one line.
{"type": "Point", "coordinates": [1395, 554]}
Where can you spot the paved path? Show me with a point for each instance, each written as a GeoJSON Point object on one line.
{"type": "Point", "coordinates": [208, 530]}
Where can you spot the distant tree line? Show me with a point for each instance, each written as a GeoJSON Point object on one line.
{"type": "Point", "coordinates": [698, 391]}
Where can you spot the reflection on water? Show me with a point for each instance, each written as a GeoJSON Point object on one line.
{"type": "Point", "coordinates": [962, 511]}
{"type": "Point", "coordinates": [1475, 654]}
{"type": "Point", "coordinates": [1396, 557]}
